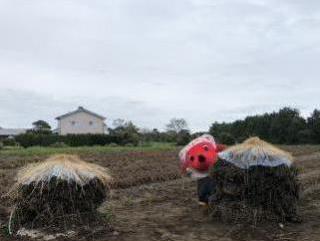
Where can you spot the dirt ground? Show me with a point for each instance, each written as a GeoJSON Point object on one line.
{"type": "Point", "coordinates": [150, 201]}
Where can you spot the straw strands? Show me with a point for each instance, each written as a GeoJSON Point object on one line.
{"type": "Point", "coordinates": [60, 186]}
{"type": "Point", "coordinates": [256, 152]}
{"type": "Point", "coordinates": [255, 181]}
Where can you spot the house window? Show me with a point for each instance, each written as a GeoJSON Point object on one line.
{"type": "Point", "coordinates": [91, 123]}
{"type": "Point", "coordinates": [73, 123]}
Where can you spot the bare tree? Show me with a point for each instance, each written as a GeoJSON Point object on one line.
{"type": "Point", "coordinates": [118, 123]}
{"type": "Point", "coordinates": [177, 125]}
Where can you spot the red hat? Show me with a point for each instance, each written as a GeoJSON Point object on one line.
{"type": "Point", "coordinates": [200, 154]}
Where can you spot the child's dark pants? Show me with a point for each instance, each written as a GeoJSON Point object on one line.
{"type": "Point", "coordinates": [206, 187]}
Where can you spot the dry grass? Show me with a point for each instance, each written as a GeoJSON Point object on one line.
{"type": "Point", "coordinates": [255, 151]}
{"type": "Point", "coordinates": [59, 190]}
{"type": "Point", "coordinates": [63, 167]}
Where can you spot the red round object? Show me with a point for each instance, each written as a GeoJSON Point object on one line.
{"type": "Point", "coordinates": [202, 156]}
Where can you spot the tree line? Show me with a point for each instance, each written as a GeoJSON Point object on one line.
{"type": "Point", "coordinates": [122, 133]}
{"type": "Point", "coordinates": [286, 126]}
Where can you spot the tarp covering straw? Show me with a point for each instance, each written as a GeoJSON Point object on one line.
{"type": "Point", "coordinates": [59, 186]}
{"type": "Point", "coordinates": [255, 181]}
{"type": "Point", "coordinates": [256, 152]}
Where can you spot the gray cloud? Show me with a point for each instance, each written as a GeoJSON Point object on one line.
{"type": "Point", "coordinates": [149, 60]}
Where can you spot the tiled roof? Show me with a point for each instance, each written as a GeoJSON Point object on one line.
{"type": "Point", "coordinates": [80, 109]}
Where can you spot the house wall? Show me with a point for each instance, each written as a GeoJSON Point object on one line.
{"type": "Point", "coordinates": [79, 123]}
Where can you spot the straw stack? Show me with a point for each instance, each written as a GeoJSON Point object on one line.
{"type": "Point", "coordinates": [255, 181]}
{"type": "Point", "coordinates": [60, 186]}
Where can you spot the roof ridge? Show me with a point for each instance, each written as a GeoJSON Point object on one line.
{"type": "Point", "coordinates": [80, 109]}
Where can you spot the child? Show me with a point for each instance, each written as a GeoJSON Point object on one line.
{"type": "Point", "coordinates": [196, 160]}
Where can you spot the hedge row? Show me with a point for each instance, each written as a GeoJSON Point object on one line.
{"type": "Point", "coordinates": [31, 139]}
{"type": "Point", "coordinates": [286, 126]}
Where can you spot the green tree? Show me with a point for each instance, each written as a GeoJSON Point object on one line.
{"type": "Point", "coordinates": [285, 126]}
{"type": "Point", "coordinates": [126, 133]}
{"type": "Point", "coordinates": [226, 138]}
{"type": "Point", "coordinates": [305, 136]}
{"type": "Point", "coordinates": [41, 127]}
{"type": "Point", "coordinates": [183, 137]}
{"type": "Point", "coordinates": [313, 123]}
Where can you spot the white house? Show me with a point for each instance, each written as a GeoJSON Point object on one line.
{"type": "Point", "coordinates": [81, 121]}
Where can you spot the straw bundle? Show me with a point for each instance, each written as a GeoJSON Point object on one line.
{"type": "Point", "coordinates": [60, 186]}
{"type": "Point", "coordinates": [255, 180]}
{"type": "Point", "coordinates": [256, 152]}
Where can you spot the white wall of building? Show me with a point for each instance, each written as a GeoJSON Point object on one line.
{"type": "Point", "coordinates": [81, 123]}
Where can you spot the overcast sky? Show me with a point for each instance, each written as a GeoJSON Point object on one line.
{"type": "Point", "coordinates": [150, 60]}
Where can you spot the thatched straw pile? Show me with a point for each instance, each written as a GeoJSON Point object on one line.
{"type": "Point", "coordinates": [255, 181]}
{"type": "Point", "coordinates": [60, 186]}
